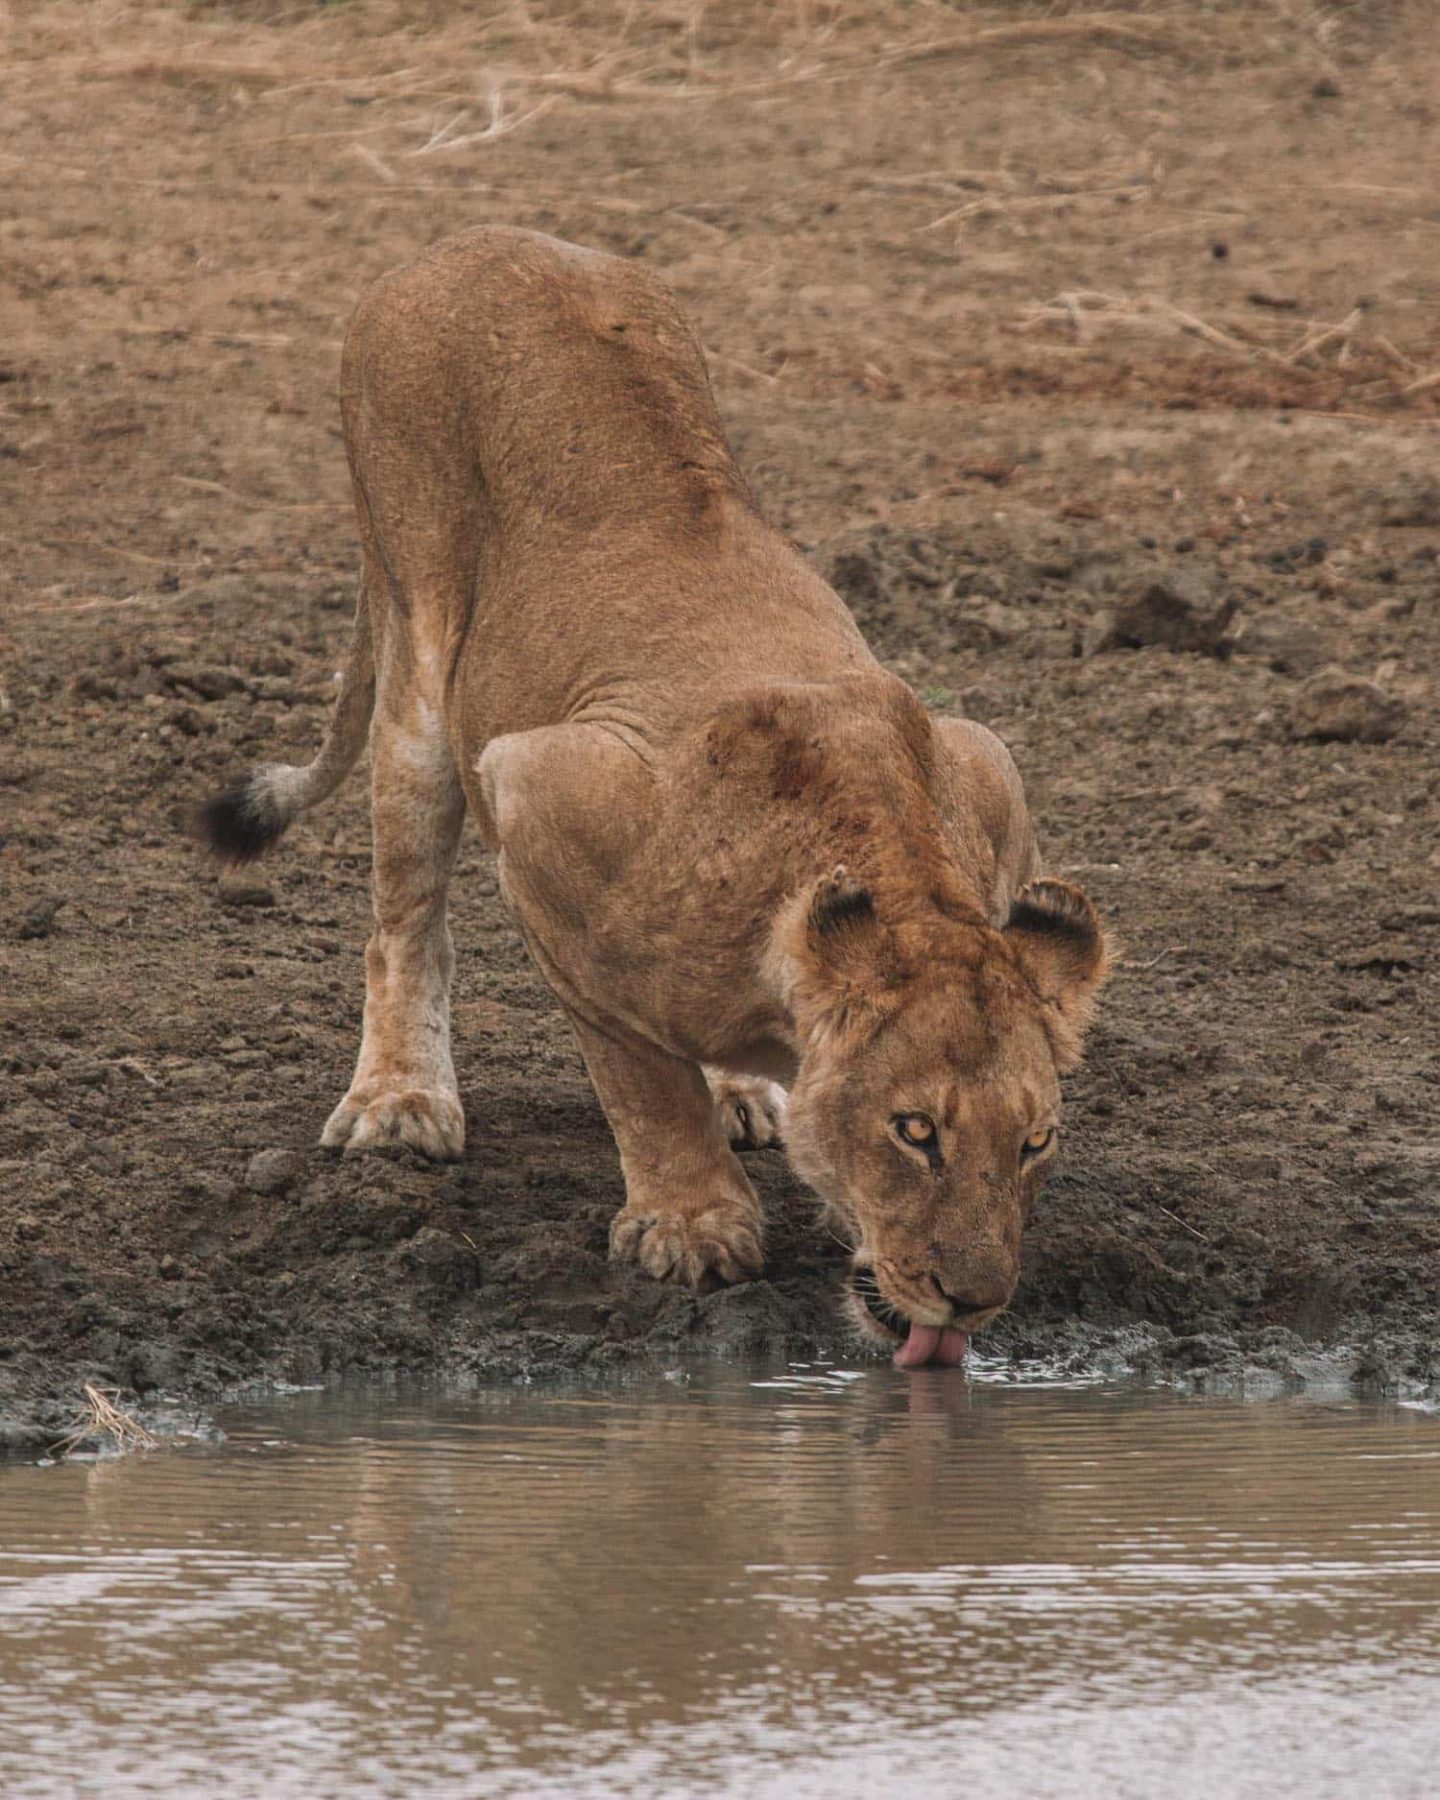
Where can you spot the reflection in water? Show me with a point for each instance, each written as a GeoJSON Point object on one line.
{"type": "Point", "coordinates": [807, 1584]}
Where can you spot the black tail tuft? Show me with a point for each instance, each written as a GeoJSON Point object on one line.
{"type": "Point", "coordinates": [238, 825]}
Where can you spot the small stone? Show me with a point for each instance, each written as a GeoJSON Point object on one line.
{"type": "Point", "coordinates": [744, 1320]}
{"type": "Point", "coordinates": [1412, 502]}
{"type": "Point", "coordinates": [39, 921]}
{"type": "Point", "coordinates": [1288, 646]}
{"type": "Point", "coordinates": [185, 719]}
{"type": "Point", "coordinates": [271, 1171]}
{"type": "Point", "coordinates": [152, 1366]}
{"type": "Point", "coordinates": [1383, 959]}
{"type": "Point", "coordinates": [204, 1245]}
{"type": "Point", "coordinates": [209, 682]}
{"type": "Point", "coordinates": [856, 577]}
{"type": "Point", "coordinates": [1183, 611]}
{"type": "Point", "coordinates": [1405, 917]}
{"type": "Point", "coordinates": [245, 890]}
{"type": "Point", "coordinates": [1335, 707]}
{"type": "Point", "coordinates": [981, 627]}
{"type": "Point", "coordinates": [1098, 634]}
{"type": "Point", "coordinates": [438, 1261]}
{"type": "Point", "coordinates": [192, 1078]}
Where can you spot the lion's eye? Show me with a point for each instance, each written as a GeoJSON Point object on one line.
{"type": "Point", "coordinates": [916, 1129]}
{"type": "Point", "coordinates": [1037, 1143]}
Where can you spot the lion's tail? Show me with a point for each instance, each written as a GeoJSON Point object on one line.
{"type": "Point", "coordinates": [244, 821]}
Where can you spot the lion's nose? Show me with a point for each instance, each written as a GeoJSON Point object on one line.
{"type": "Point", "coordinates": [979, 1280]}
{"type": "Point", "coordinates": [966, 1305]}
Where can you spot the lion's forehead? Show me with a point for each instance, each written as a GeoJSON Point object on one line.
{"type": "Point", "coordinates": [996, 1108]}
{"type": "Point", "coordinates": [979, 1028]}
{"type": "Point", "coordinates": [972, 1080]}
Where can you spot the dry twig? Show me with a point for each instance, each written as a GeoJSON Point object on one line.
{"type": "Point", "coordinates": [1184, 1224]}
{"type": "Point", "coordinates": [733, 362]}
{"type": "Point", "coordinates": [1169, 950]}
{"type": "Point", "coordinates": [90, 603]}
{"type": "Point", "coordinates": [229, 340]}
{"type": "Point", "coordinates": [1123, 29]}
{"type": "Point", "coordinates": [1086, 308]}
{"type": "Point", "coordinates": [256, 500]}
{"type": "Point", "coordinates": [1315, 341]}
{"type": "Point", "coordinates": [102, 1418]}
{"type": "Point", "coordinates": [995, 207]}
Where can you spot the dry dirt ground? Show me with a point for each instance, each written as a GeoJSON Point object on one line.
{"type": "Point", "coordinates": [1053, 334]}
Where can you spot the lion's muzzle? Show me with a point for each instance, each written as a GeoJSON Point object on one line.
{"type": "Point", "coordinates": [916, 1343]}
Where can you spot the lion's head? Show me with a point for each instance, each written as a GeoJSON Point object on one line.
{"type": "Point", "coordinates": [926, 1108]}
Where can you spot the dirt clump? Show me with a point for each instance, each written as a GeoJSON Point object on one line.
{"type": "Point", "coordinates": [1185, 611]}
{"type": "Point", "coordinates": [271, 1171]}
{"type": "Point", "coordinates": [1340, 708]}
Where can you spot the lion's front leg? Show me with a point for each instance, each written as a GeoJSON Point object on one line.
{"type": "Point", "coordinates": [567, 805]}
{"type": "Point", "coordinates": [690, 1213]}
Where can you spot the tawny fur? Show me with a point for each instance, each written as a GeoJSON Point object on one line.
{"type": "Point", "coordinates": [575, 624]}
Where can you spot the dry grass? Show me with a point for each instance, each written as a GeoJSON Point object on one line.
{"type": "Point", "coordinates": [1086, 312]}
{"type": "Point", "coordinates": [102, 1418]}
{"type": "Point", "coordinates": [856, 202]}
{"type": "Point", "coordinates": [620, 50]}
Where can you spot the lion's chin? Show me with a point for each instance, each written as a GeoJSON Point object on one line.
{"type": "Point", "coordinates": [914, 1345]}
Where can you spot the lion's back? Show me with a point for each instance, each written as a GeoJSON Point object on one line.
{"type": "Point", "coordinates": [538, 339]}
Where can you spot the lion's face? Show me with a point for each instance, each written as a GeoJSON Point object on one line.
{"type": "Point", "coordinates": [926, 1109]}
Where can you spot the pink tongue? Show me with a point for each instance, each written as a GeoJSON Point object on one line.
{"type": "Point", "coordinates": [940, 1344]}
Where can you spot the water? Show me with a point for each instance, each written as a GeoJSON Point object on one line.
{"type": "Point", "coordinates": [810, 1583]}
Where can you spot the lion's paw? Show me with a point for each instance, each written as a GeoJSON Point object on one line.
{"type": "Point", "coordinates": [425, 1119]}
{"type": "Point", "coordinates": [720, 1245]}
{"type": "Point", "coordinates": [752, 1110]}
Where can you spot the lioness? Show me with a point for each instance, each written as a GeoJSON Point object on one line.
{"type": "Point", "coordinates": [741, 852]}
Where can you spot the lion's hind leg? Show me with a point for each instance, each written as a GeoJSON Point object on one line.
{"type": "Point", "coordinates": [752, 1110]}
{"type": "Point", "coordinates": [404, 1090]}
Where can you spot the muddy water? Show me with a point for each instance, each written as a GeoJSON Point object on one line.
{"type": "Point", "coordinates": [802, 1583]}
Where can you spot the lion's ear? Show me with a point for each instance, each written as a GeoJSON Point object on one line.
{"type": "Point", "coordinates": [830, 949]}
{"type": "Point", "coordinates": [1057, 936]}
{"type": "Point", "coordinates": [842, 912]}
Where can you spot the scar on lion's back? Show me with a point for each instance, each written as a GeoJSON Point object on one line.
{"type": "Point", "coordinates": [793, 736]}
{"type": "Point", "coordinates": [759, 735]}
